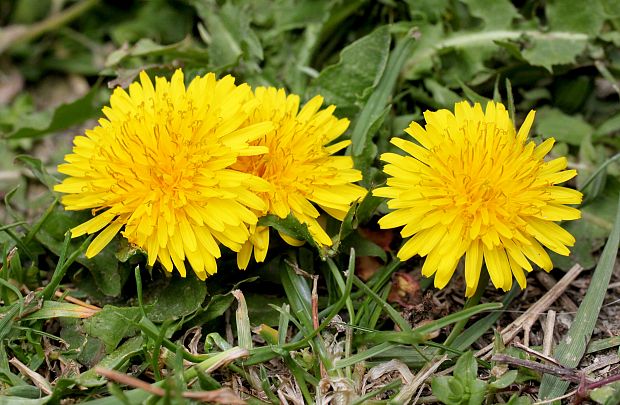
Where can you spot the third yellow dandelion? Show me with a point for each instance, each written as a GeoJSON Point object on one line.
{"type": "Point", "coordinates": [472, 186]}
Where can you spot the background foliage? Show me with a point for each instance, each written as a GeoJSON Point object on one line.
{"type": "Point", "coordinates": [382, 63]}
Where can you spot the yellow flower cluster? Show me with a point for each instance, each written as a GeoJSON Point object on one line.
{"type": "Point", "coordinates": [182, 170]}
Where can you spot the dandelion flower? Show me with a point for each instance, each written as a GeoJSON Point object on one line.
{"type": "Point", "coordinates": [158, 168]}
{"type": "Point", "coordinates": [471, 186]}
{"type": "Point", "coordinates": [299, 166]}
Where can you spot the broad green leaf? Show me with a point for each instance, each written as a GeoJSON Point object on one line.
{"type": "Point", "coordinates": [167, 22]}
{"type": "Point", "coordinates": [291, 14]}
{"type": "Point", "coordinates": [505, 380]}
{"type": "Point", "coordinates": [610, 126]}
{"type": "Point", "coordinates": [259, 310]}
{"type": "Point", "coordinates": [441, 389]}
{"type": "Point", "coordinates": [231, 36]}
{"type": "Point", "coordinates": [8, 400]}
{"type": "Point", "coordinates": [361, 64]}
{"type": "Point", "coordinates": [606, 395]}
{"type": "Point", "coordinates": [114, 360]}
{"type": "Point", "coordinates": [442, 94]}
{"type": "Point", "coordinates": [185, 49]}
{"type": "Point", "coordinates": [61, 118]}
{"type": "Point", "coordinates": [466, 368]}
{"type": "Point", "coordinates": [577, 16]}
{"type": "Point", "coordinates": [517, 400]}
{"type": "Point", "coordinates": [495, 14]}
{"type": "Point", "coordinates": [547, 51]}
{"type": "Point", "coordinates": [174, 297]}
{"type": "Point", "coordinates": [572, 348]}
{"type": "Point", "coordinates": [112, 324]}
{"type": "Point", "coordinates": [376, 108]}
{"type": "Point", "coordinates": [427, 9]}
{"type": "Point", "coordinates": [477, 392]}
{"type": "Point", "coordinates": [553, 123]}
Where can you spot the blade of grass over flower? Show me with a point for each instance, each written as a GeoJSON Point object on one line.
{"type": "Point", "coordinates": [572, 348]}
{"type": "Point", "coordinates": [511, 100]}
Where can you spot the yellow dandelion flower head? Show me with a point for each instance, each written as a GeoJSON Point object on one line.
{"type": "Point", "coordinates": [300, 166]}
{"type": "Point", "coordinates": [472, 186]}
{"type": "Point", "coordinates": [159, 165]}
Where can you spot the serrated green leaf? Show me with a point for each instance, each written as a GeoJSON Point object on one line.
{"type": "Point", "coordinates": [185, 49]}
{"type": "Point", "coordinates": [174, 297]}
{"type": "Point", "coordinates": [112, 324]}
{"type": "Point", "coordinates": [231, 36]}
{"type": "Point", "coordinates": [548, 51]}
{"type": "Point", "coordinates": [495, 14]}
{"type": "Point", "coordinates": [577, 16]}
{"type": "Point", "coordinates": [361, 64]}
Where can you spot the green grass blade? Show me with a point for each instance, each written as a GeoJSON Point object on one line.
{"type": "Point", "coordinates": [572, 348]}
{"type": "Point", "coordinates": [366, 354]}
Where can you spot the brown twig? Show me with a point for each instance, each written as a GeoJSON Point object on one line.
{"type": "Point", "coordinates": [548, 282]}
{"type": "Point", "coordinates": [537, 354]}
{"type": "Point", "coordinates": [565, 373]}
{"type": "Point", "coordinates": [221, 396]}
{"type": "Point", "coordinates": [532, 314]}
{"type": "Point", "coordinates": [76, 301]}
